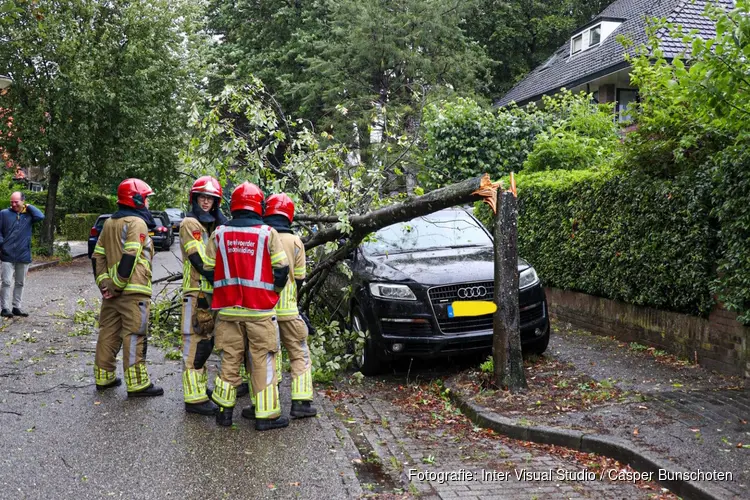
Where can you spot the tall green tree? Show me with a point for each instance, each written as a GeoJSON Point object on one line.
{"type": "Point", "coordinates": [341, 62]}
{"type": "Point", "coordinates": [519, 35]}
{"type": "Point", "coordinates": [99, 90]}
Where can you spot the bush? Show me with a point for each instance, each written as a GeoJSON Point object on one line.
{"type": "Point", "coordinates": [732, 209]}
{"type": "Point", "coordinates": [465, 139]}
{"type": "Point", "coordinates": [626, 237]}
{"type": "Point", "coordinates": [562, 150]}
{"type": "Point", "coordinates": [76, 227]}
{"type": "Point", "coordinates": [581, 135]}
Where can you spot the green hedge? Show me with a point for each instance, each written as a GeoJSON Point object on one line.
{"type": "Point", "coordinates": [76, 227]}
{"type": "Point", "coordinates": [622, 236]}
{"type": "Point", "coordinates": [731, 177]}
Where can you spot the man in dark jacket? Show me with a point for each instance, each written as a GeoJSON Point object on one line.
{"type": "Point", "coordinates": [15, 250]}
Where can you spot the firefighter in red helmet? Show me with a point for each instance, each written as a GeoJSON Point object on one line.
{"type": "Point", "coordinates": [250, 271]}
{"type": "Point", "coordinates": [122, 267]}
{"type": "Point", "coordinates": [279, 214]}
{"type": "Point", "coordinates": [197, 287]}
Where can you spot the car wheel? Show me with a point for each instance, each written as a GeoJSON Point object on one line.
{"type": "Point", "coordinates": [539, 345]}
{"type": "Point", "coordinates": [367, 361]}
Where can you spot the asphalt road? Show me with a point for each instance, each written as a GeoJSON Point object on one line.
{"type": "Point", "coordinates": [60, 438]}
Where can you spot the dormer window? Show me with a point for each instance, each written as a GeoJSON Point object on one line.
{"type": "Point", "coordinates": [593, 35]}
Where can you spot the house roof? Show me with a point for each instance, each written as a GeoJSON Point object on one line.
{"type": "Point", "coordinates": [563, 70]}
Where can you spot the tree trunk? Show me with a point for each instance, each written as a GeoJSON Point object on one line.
{"type": "Point", "coordinates": [362, 225]}
{"type": "Point", "coordinates": [506, 341]}
{"type": "Point", "coordinates": [48, 225]}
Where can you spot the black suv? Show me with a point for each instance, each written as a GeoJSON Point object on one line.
{"type": "Point", "coordinates": [162, 234]}
{"type": "Point", "coordinates": [95, 231]}
{"type": "Point", "coordinates": [406, 278]}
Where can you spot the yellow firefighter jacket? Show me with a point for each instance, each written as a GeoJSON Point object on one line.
{"type": "Point", "coordinates": [127, 235]}
{"type": "Point", "coordinates": [193, 238]}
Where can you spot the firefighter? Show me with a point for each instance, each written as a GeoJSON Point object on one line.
{"type": "Point", "coordinates": [197, 286]}
{"type": "Point", "coordinates": [279, 214]}
{"type": "Point", "coordinates": [122, 267]}
{"type": "Point", "coordinates": [250, 271]}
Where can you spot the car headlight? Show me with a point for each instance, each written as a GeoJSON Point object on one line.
{"type": "Point", "coordinates": [391, 291]}
{"type": "Point", "coordinates": [527, 278]}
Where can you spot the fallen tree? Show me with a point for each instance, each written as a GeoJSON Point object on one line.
{"type": "Point", "coordinates": [478, 188]}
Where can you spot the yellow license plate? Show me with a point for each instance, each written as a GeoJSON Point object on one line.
{"type": "Point", "coordinates": [471, 308]}
{"type": "Point", "coordinates": [150, 233]}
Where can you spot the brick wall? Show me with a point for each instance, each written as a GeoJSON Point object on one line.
{"type": "Point", "coordinates": [718, 343]}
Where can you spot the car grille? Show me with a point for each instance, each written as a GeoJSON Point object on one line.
{"type": "Point", "coordinates": [468, 324]}
{"type": "Point", "coordinates": [449, 293]}
{"type": "Point", "coordinates": [406, 329]}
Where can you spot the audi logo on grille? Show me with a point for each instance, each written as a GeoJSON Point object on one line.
{"type": "Point", "coordinates": [472, 292]}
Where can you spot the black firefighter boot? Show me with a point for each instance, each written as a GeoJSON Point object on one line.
{"type": "Point", "coordinates": [266, 424]}
{"type": "Point", "coordinates": [224, 416]}
{"type": "Point", "coordinates": [115, 383]}
{"type": "Point", "coordinates": [302, 409]}
{"type": "Point", "coordinates": [248, 412]}
{"type": "Point", "coordinates": [149, 392]}
{"type": "Point", "coordinates": [243, 390]}
{"type": "Point", "coordinates": [205, 408]}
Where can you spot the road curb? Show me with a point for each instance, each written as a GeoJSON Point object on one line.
{"type": "Point", "coordinates": [52, 263]}
{"type": "Point", "coordinates": [618, 449]}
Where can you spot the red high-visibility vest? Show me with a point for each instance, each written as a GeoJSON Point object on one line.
{"type": "Point", "coordinates": [243, 276]}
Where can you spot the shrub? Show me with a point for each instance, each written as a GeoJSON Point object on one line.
{"type": "Point", "coordinates": [732, 209]}
{"type": "Point", "coordinates": [626, 237]}
{"type": "Point", "coordinates": [465, 139]}
{"type": "Point", "coordinates": [562, 150]}
{"type": "Point", "coordinates": [76, 227]}
{"type": "Point", "coordinates": [581, 135]}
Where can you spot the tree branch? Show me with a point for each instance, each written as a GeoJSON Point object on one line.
{"type": "Point", "coordinates": [439, 199]}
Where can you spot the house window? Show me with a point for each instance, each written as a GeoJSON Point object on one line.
{"type": "Point", "coordinates": [595, 35]}
{"type": "Point", "coordinates": [624, 98]}
{"type": "Point", "coordinates": [577, 44]}
{"type": "Point", "coordinates": [586, 39]}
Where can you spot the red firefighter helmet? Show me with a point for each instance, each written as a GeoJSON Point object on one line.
{"type": "Point", "coordinates": [247, 196]}
{"type": "Point", "coordinates": [206, 185]}
{"type": "Point", "coordinates": [280, 204]}
{"type": "Point", "coordinates": [133, 193]}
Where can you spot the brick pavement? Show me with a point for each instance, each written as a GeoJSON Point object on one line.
{"type": "Point", "coordinates": [393, 455]}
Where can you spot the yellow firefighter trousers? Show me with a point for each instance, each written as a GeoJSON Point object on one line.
{"type": "Point", "coordinates": [196, 348]}
{"type": "Point", "coordinates": [262, 341]}
{"type": "Point", "coordinates": [123, 322]}
{"type": "Point", "coordinates": [293, 334]}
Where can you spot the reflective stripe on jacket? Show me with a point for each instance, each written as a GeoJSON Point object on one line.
{"type": "Point", "coordinates": [126, 235]}
{"type": "Point", "coordinates": [193, 239]}
{"type": "Point", "coordinates": [287, 309]}
{"type": "Point", "coordinates": [243, 276]}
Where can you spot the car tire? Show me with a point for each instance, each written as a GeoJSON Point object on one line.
{"type": "Point", "coordinates": [368, 362]}
{"type": "Point", "coordinates": [539, 345]}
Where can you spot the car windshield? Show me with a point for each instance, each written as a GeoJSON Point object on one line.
{"type": "Point", "coordinates": [100, 222]}
{"type": "Point", "coordinates": [175, 212]}
{"type": "Point", "coordinates": [451, 229]}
